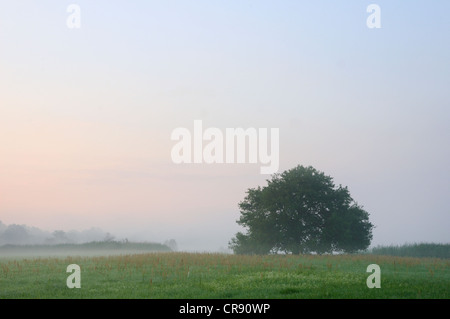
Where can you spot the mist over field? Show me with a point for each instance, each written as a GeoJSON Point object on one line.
{"type": "Point", "coordinates": [28, 238]}
{"type": "Point", "coordinates": [29, 235]}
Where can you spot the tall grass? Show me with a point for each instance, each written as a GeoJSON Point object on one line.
{"type": "Point", "coordinates": [183, 275]}
{"type": "Point", "coordinates": [414, 250]}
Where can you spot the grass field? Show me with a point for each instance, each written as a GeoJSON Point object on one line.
{"type": "Point", "coordinates": [194, 275]}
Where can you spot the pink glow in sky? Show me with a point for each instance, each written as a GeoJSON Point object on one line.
{"type": "Point", "coordinates": [86, 114]}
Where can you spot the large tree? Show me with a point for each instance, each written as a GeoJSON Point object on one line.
{"type": "Point", "coordinates": [301, 211]}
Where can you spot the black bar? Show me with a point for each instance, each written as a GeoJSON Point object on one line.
{"type": "Point", "coordinates": [232, 308]}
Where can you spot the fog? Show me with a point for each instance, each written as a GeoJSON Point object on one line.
{"type": "Point", "coordinates": [22, 235]}
{"type": "Point", "coordinates": [87, 114]}
{"type": "Point", "coordinates": [28, 235]}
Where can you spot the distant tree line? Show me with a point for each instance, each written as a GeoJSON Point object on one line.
{"type": "Point", "coordinates": [25, 235]}
{"type": "Point", "coordinates": [94, 238]}
{"type": "Point", "coordinates": [414, 250]}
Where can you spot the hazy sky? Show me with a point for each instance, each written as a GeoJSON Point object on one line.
{"type": "Point", "coordinates": [86, 114]}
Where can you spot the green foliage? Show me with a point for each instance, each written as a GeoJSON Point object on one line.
{"type": "Point", "coordinates": [301, 211]}
{"type": "Point", "coordinates": [414, 250]}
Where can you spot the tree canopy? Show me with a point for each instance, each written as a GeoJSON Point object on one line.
{"type": "Point", "coordinates": [301, 211]}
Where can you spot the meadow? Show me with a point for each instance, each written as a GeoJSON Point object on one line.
{"type": "Point", "coordinates": [176, 275]}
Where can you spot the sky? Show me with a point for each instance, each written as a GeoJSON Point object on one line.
{"type": "Point", "coordinates": [86, 114]}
